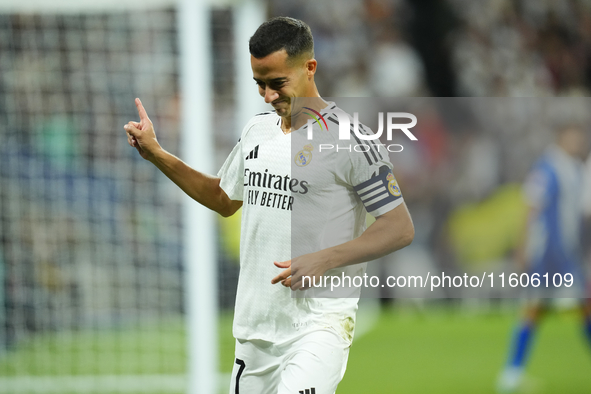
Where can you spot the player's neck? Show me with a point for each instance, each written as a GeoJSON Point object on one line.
{"type": "Point", "coordinates": [298, 118]}
{"type": "Point", "coordinates": [286, 124]}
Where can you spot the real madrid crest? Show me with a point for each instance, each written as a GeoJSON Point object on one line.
{"type": "Point", "coordinates": [304, 157]}
{"type": "Point", "coordinates": [392, 185]}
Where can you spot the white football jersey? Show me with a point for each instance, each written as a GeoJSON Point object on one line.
{"type": "Point", "coordinates": [299, 199]}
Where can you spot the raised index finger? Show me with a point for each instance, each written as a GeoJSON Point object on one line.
{"type": "Point", "coordinates": [140, 109]}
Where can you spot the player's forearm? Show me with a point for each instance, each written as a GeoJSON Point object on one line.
{"type": "Point", "coordinates": [203, 188]}
{"type": "Point", "coordinates": [389, 233]}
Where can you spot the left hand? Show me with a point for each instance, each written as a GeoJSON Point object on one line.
{"type": "Point", "coordinates": [312, 265]}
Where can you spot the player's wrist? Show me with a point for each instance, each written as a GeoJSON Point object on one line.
{"type": "Point", "coordinates": [157, 155]}
{"type": "Point", "coordinates": [334, 259]}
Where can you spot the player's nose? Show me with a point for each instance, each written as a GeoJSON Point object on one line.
{"type": "Point", "coordinates": [270, 95]}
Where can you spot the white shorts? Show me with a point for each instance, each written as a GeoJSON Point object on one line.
{"type": "Point", "coordinates": [313, 363]}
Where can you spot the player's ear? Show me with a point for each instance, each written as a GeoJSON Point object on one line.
{"type": "Point", "coordinates": [311, 67]}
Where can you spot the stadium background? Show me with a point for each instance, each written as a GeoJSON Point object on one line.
{"type": "Point", "coordinates": [92, 290]}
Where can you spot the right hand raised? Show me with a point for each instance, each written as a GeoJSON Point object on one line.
{"type": "Point", "coordinates": [141, 135]}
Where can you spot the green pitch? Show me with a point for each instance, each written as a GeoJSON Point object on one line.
{"type": "Point", "coordinates": [442, 351]}
{"type": "Point", "coordinates": [432, 351]}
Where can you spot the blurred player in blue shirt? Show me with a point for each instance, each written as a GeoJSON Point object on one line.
{"type": "Point", "coordinates": [554, 191]}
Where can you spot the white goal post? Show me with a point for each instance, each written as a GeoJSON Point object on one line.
{"type": "Point", "coordinates": [200, 254]}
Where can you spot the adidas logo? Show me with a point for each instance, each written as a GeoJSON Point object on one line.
{"type": "Point", "coordinates": [253, 153]}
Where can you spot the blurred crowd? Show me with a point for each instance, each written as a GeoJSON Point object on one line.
{"type": "Point", "coordinates": [502, 48]}
{"type": "Point", "coordinates": [89, 234]}
{"type": "Point", "coordinates": [523, 48]}
{"type": "Point", "coordinates": [362, 47]}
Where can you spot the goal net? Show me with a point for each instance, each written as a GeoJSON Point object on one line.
{"type": "Point", "coordinates": [92, 270]}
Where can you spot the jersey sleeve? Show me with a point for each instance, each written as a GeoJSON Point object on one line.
{"type": "Point", "coordinates": [370, 174]}
{"type": "Point", "coordinates": [232, 174]}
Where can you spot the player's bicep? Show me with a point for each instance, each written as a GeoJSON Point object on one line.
{"type": "Point", "coordinates": [398, 220]}
{"type": "Point", "coordinates": [235, 205]}
{"type": "Point", "coordinates": [380, 193]}
{"type": "Point", "coordinates": [228, 206]}
{"type": "Point", "coordinates": [232, 174]}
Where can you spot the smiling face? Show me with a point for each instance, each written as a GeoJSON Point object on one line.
{"type": "Point", "coordinates": [280, 79]}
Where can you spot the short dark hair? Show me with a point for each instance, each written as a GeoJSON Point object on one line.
{"type": "Point", "coordinates": [282, 32]}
